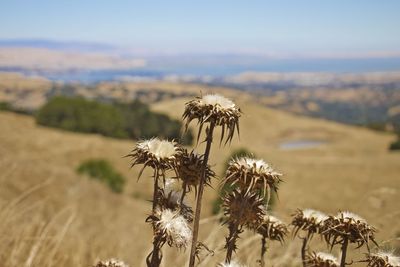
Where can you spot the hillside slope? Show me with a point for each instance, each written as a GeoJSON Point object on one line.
{"type": "Point", "coordinates": [50, 211]}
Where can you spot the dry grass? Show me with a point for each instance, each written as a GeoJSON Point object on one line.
{"type": "Point", "coordinates": [52, 217]}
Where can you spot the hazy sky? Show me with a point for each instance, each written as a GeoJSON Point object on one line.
{"type": "Point", "coordinates": [280, 26]}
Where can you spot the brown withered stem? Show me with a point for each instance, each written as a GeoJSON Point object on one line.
{"type": "Point", "coordinates": [210, 110]}
{"type": "Point", "coordinates": [199, 196]}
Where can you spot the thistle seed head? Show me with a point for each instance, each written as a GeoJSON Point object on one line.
{"type": "Point", "coordinates": [111, 263]}
{"type": "Point", "coordinates": [309, 220]}
{"type": "Point", "coordinates": [321, 259]}
{"type": "Point", "coordinates": [216, 109]}
{"type": "Point", "coordinates": [244, 209]}
{"type": "Point", "coordinates": [383, 259]}
{"type": "Point", "coordinates": [189, 170]}
{"type": "Point", "coordinates": [155, 153]}
{"type": "Point", "coordinates": [273, 229]}
{"type": "Point", "coordinates": [347, 225]}
{"type": "Point", "coordinates": [252, 174]}
{"type": "Point", "coordinates": [174, 228]}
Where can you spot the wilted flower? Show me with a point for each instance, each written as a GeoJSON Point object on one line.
{"type": "Point", "coordinates": [111, 263]}
{"type": "Point", "coordinates": [251, 174]}
{"type": "Point", "coordinates": [244, 209]}
{"type": "Point", "coordinates": [189, 170]}
{"type": "Point", "coordinates": [173, 227]}
{"type": "Point", "coordinates": [216, 109]}
{"type": "Point", "coordinates": [155, 153]}
{"type": "Point", "coordinates": [272, 228]}
{"type": "Point", "coordinates": [309, 220]}
{"type": "Point", "coordinates": [383, 259]}
{"type": "Point", "coordinates": [321, 259]}
{"type": "Point", "coordinates": [348, 226]}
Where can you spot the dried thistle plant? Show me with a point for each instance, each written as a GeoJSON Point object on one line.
{"type": "Point", "coordinates": [252, 174]}
{"type": "Point", "coordinates": [189, 170]}
{"type": "Point", "coordinates": [382, 259]}
{"type": "Point", "coordinates": [111, 263]}
{"type": "Point", "coordinates": [321, 259]}
{"type": "Point", "coordinates": [241, 210]}
{"type": "Point", "coordinates": [210, 111]}
{"type": "Point", "coordinates": [161, 156]}
{"type": "Point", "coordinates": [216, 110]}
{"type": "Point", "coordinates": [312, 222]}
{"type": "Point", "coordinates": [345, 228]}
{"type": "Point", "coordinates": [273, 229]}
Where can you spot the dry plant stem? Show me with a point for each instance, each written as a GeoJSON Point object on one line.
{"type": "Point", "coordinates": [263, 251]}
{"type": "Point", "coordinates": [344, 252]}
{"type": "Point", "coordinates": [231, 241]}
{"type": "Point", "coordinates": [304, 249]}
{"type": "Point", "coordinates": [209, 139]}
{"type": "Point", "coordinates": [155, 261]}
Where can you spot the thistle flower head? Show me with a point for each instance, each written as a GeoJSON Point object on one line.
{"type": "Point", "coordinates": [383, 259]}
{"type": "Point", "coordinates": [244, 209]}
{"type": "Point", "coordinates": [111, 263]}
{"type": "Point", "coordinates": [252, 174]}
{"type": "Point", "coordinates": [309, 220]}
{"type": "Point", "coordinates": [347, 225]}
{"type": "Point", "coordinates": [174, 228]}
{"type": "Point", "coordinates": [321, 259]}
{"type": "Point", "coordinates": [216, 109]}
{"type": "Point", "coordinates": [189, 169]}
{"type": "Point", "coordinates": [231, 264]}
{"type": "Point", "coordinates": [273, 228]}
{"type": "Point", "coordinates": [155, 153]}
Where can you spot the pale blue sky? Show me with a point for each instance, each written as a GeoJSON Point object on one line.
{"type": "Point", "coordinates": [280, 26]}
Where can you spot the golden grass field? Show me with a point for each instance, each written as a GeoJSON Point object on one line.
{"type": "Point", "coordinates": [50, 216]}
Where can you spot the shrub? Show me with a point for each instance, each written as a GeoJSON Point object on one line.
{"type": "Point", "coordinates": [103, 171]}
{"type": "Point", "coordinates": [395, 145]}
{"type": "Point", "coordinates": [118, 120]}
{"type": "Point", "coordinates": [81, 115]}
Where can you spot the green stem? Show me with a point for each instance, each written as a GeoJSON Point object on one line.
{"type": "Point", "coordinates": [200, 196]}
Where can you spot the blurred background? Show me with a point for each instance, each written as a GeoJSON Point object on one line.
{"type": "Point", "coordinates": [80, 81]}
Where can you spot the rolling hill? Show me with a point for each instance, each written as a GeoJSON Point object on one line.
{"type": "Point", "coordinates": [51, 216]}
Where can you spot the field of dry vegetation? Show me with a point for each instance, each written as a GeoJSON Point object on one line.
{"type": "Point", "coordinates": [51, 216]}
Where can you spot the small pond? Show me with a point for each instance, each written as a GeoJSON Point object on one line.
{"type": "Point", "coordinates": [300, 144]}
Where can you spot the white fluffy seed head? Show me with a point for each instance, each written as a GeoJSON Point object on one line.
{"type": "Point", "coordinates": [215, 99]}
{"type": "Point", "coordinates": [316, 215]}
{"type": "Point", "coordinates": [176, 228]}
{"type": "Point", "coordinates": [273, 219]}
{"type": "Point", "coordinates": [327, 257]}
{"type": "Point", "coordinates": [161, 149]}
{"type": "Point", "coordinates": [259, 164]}
{"type": "Point", "coordinates": [389, 258]}
{"type": "Point", "coordinates": [347, 215]}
